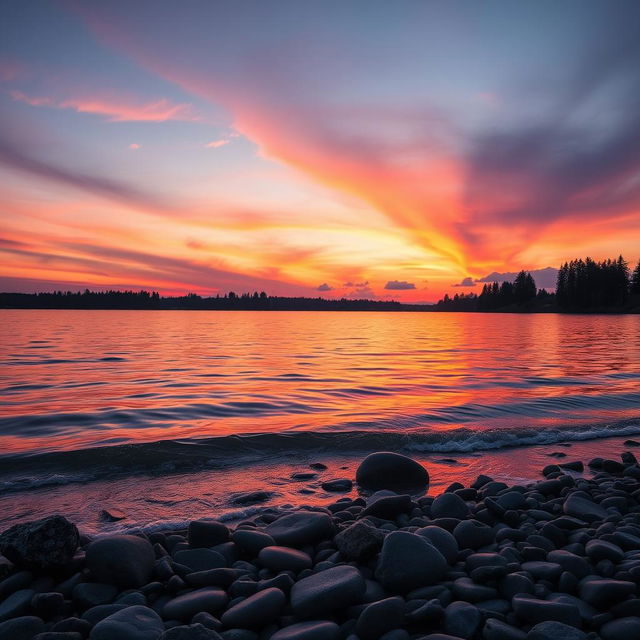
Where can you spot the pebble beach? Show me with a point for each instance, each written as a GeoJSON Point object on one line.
{"type": "Point", "coordinates": [554, 559]}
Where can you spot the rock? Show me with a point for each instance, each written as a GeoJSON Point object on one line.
{"type": "Point", "coordinates": [200, 559]}
{"type": "Point", "coordinates": [131, 623]}
{"type": "Point", "coordinates": [111, 515]}
{"type": "Point", "coordinates": [386, 470]}
{"type": "Point", "coordinates": [42, 544]}
{"type": "Point", "coordinates": [207, 533]}
{"type": "Point", "coordinates": [533, 611]}
{"type": "Point", "coordinates": [308, 631]}
{"type": "Point", "coordinates": [90, 594]}
{"type": "Point", "coordinates": [326, 591]}
{"type": "Point", "coordinates": [601, 550]}
{"type": "Point", "coordinates": [442, 540]}
{"type": "Point", "coordinates": [461, 619]}
{"type": "Point", "coordinates": [388, 507]}
{"type": "Point", "coordinates": [190, 632]}
{"type": "Point", "coordinates": [471, 534]}
{"type": "Point", "coordinates": [251, 541]}
{"type": "Point", "coordinates": [379, 617]}
{"type": "Point", "coordinates": [584, 509]}
{"type": "Point", "coordinates": [604, 592]}
{"type": "Point", "coordinates": [467, 590]}
{"type": "Point", "coordinates": [359, 541]}
{"type": "Point", "coordinates": [221, 577]}
{"type": "Point", "coordinates": [123, 560]}
{"type": "Point", "coordinates": [408, 561]}
{"type": "Point", "coordinates": [551, 630]}
{"type": "Point", "coordinates": [54, 635]}
{"type": "Point", "coordinates": [284, 559]}
{"type": "Point", "coordinates": [621, 629]}
{"type": "Point", "coordinates": [185, 606]}
{"type": "Point", "coordinates": [47, 605]}
{"type": "Point", "coordinates": [102, 611]}
{"type": "Point", "coordinates": [301, 528]}
{"type": "Point", "coordinates": [449, 505]}
{"type": "Point", "coordinates": [17, 604]}
{"type": "Point", "coordinates": [497, 630]}
{"type": "Point", "coordinates": [256, 611]}
{"type": "Point", "coordinates": [22, 628]}
{"type": "Point", "coordinates": [338, 485]}
{"type": "Point", "coordinates": [251, 497]}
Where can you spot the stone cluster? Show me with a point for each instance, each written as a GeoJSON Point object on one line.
{"type": "Point", "coordinates": [557, 559]}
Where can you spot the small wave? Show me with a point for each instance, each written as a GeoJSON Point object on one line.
{"type": "Point", "coordinates": [24, 472]}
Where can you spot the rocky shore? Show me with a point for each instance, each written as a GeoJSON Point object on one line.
{"type": "Point", "coordinates": [558, 559]}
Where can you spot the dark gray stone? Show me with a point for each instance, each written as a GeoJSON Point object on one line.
{"type": "Point", "coordinates": [359, 541]}
{"type": "Point", "coordinates": [89, 594]}
{"type": "Point", "coordinates": [601, 550]}
{"type": "Point", "coordinates": [379, 617]}
{"type": "Point", "coordinates": [584, 509]}
{"type": "Point", "coordinates": [338, 485]}
{"type": "Point", "coordinates": [250, 541]}
{"type": "Point", "coordinates": [449, 505]}
{"type": "Point", "coordinates": [200, 559]}
{"type": "Point", "coordinates": [256, 611]}
{"type": "Point", "coordinates": [442, 540]}
{"type": "Point", "coordinates": [125, 561]}
{"type": "Point", "coordinates": [43, 544]}
{"type": "Point", "coordinates": [495, 629]}
{"type": "Point", "coordinates": [408, 561]}
{"type": "Point", "coordinates": [131, 623]}
{"type": "Point", "coordinates": [320, 630]}
{"type": "Point", "coordinates": [551, 630]}
{"type": "Point", "coordinates": [471, 534]}
{"type": "Point", "coordinates": [605, 592]}
{"type": "Point", "coordinates": [327, 591]}
{"type": "Point", "coordinates": [533, 611]}
{"type": "Point", "coordinates": [284, 559]}
{"type": "Point", "coordinates": [388, 507]}
{"type": "Point", "coordinates": [17, 604]}
{"type": "Point", "coordinates": [185, 606]}
{"type": "Point", "coordinates": [301, 528]}
{"type": "Point", "coordinates": [22, 628]}
{"type": "Point", "coordinates": [621, 629]}
{"type": "Point", "coordinates": [386, 470]}
{"type": "Point", "coordinates": [191, 632]}
{"type": "Point", "coordinates": [461, 619]}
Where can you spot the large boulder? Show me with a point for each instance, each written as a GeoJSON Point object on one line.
{"type": "Point", "coordinates": [125, 561]}
{"type": "Point", "coordinates": [301, 528]}
{"type": "Point", "coordinates": [408, 561]}
{"type": "Point", "coordinates": [326, 591]}
{"type": "Point", "coordinates": [387, 470]}
{"type": "Point", "coordinates": [41, 544]}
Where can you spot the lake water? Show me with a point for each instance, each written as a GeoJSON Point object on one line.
{"type": "Point", "coordinates": [171, 414]}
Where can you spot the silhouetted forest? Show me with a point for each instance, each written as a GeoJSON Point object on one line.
{"type": "Point", "coordinates": [231, 301]}
{"type": "Point", "coordinates": [583, 286]}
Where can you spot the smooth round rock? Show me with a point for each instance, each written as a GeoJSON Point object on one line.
{"type": "Point", "coordinates": [190, 632]}
{"type": "Point", "coordinates": [601, 550]}
{"type": "Point", "coordinates": [379, 617]}
{"type": "Point", "coordinates": [339, 485]}
{"type": "Point", "coordinates": [256, 611]}
{"type": "Point", "coordinates": [42, 544]}
{"type": "Point", "coordinates": [442, 540]}
{"type": "Point", "coordinates": [125, 561]}
{"type": "Point", "coordinates": [584, 509]}
{"type": "Point", "coordinates": [621, 629]}
{"type": "Point", "coordinates": [471, 534]}
{"type": "Point", "coordinates": [185, 606]}
{"type": "Point", "coordinates": [250, 541]}
{"type": "Point", "coordinates": [461, 619]}
{"type": "Point", "coordinates": [200, 559]}
{"type": "Point", "coordinates": [88, 594]}
{"type": "Point", "coordinates": [22, 628]}
{"type": "Point", "coordinates": [533, 611]}
{"type": "Point", "coordinates": [301, 528]}
{"type": "Point", "coordinates": [495, 629]}
{"type": "Point", "coordinates": [387, 470]}
{"type": "Point", "coordinates": [408, 561]}
{"type": "Point", "coordinates": [17, 604]}
{"type": "Point", "coordinates": [320, 630]}
{"type": "Point", "coordinates": [132, 623]}
{"type": "Point", "coordinates": [284, 559]}
{"type": "Point", "coordinates": [551, 630]}
{"type": "Point", "coordinates": [327, 591]}
{"type": "Point", "coordinates": [603, 593]}
{"type": "Point", "coordinates": [449, 505]}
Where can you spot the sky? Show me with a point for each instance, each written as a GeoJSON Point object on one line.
{"type": "Point", "coordinates": [362, 149]}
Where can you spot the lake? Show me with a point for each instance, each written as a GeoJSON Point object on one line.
{"type": "Point", "coordinates": [220, 403]}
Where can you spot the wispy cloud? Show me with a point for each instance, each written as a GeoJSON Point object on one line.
{"type": "Point", "coordinates": [399, 285]}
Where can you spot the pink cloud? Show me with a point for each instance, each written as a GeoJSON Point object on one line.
{"type": "Point", "coordinates": [118, 109]}
{"type": "Point", "coordinates": [216, 144]}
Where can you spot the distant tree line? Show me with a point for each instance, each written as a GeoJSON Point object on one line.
{"type": "Point", "coordinates": [586, 284]}
{"type": "Point", "coordinates": [230, 301]}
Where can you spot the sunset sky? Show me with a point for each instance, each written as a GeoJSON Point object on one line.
{"type": "Point", "coordinates": [336, 148]}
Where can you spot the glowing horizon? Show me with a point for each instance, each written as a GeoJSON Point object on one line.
{"type": "Point", "coordinates": [353, 149]}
